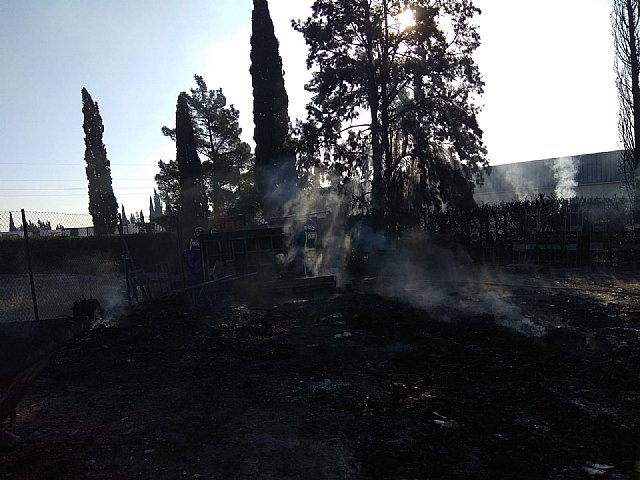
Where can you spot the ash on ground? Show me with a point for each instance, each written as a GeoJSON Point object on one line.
{"type": "Point", "coordinates": [274, 388]}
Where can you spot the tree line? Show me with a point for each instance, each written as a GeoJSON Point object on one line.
{"type": "Point", "coordinates": [391, 125]}
{"type": "Point", "coordinates": [31, 226]}
{"type": "Point", "coordinates": [392, 121]}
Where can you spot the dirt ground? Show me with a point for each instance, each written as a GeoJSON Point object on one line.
{"type": "Point", "coordinates": [348, 385]}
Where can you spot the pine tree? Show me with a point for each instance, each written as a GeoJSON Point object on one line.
{"type": "Point", "coordinates": [417, 88]}
{"type": "Point", "coordinates": [168, 181]}
{"type": "Point", "coordinates": [275, 162]}
{"type": "Point", "coordinates": [132, 219]}
{"type": "Point", "coordinates": [12, 226]}
{"type": "Point", "coordinates": [226, 160]}
{"type": "Point", "coordinates": [102, 202]}
{"type": "Point", "coordinates": [142, 222]}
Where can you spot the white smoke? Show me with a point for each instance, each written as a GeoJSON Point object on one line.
{"type": "Point", "coordinates": [523, 186]}
{"type": "Point", "coordinates": [322, 209]}
{"type": "Point", "coordinates": [564, 174]}
{"type": "Point", "coordinates": [447, 285]}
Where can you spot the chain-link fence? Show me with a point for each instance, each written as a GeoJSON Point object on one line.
{"type": "Point", "coordinates": [50, 260]}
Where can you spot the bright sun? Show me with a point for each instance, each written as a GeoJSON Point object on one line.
{"type": "Point", "coordinates": [406, 19]}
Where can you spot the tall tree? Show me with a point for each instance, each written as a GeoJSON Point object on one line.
{"type": "Point", "coordinates": [625, 19]}
{"type": "Point", "coordinates": [123, 215]}
{"type": "Point", "coordinates": [192, 198]}
{"type": "Point", "coordinates": [103, 206]}
{"type": "Point", "coordinates": [406, 68]}
{"type": "Point", "coordinates": [157, 204]}
{"type": "Point", "coordinates": [275, 160]}
{"type": "Point", "coordinates": [169, 185]}
{"type": "Point", "coordinates": [152, 213]}
{"type": "Point", "coordinates": [226, 160]}
{"type": "Point", "coordinates": [12, 225]}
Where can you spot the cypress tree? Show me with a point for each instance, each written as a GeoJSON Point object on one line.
{"type": "Point", "coordinates": [275, 162]}
{"type": "Point", "coordinates": [192, 200]}
{"type": "Point", "coordinates": [157, 204]}
{"type": "Point", "coordinates": [12, 226]}
{"type": "Point", "coordinates": [102, 202]}
{"type": "Point", "coordinates": [152, 213]}
{"type": "Point", "coordinates": [123, 215]}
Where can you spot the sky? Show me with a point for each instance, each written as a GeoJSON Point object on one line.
{"type": "Point", "coordinates": [547, 67]}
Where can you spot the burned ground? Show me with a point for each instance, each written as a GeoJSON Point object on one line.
{"type": "Point", "coordinates": [349, 385]}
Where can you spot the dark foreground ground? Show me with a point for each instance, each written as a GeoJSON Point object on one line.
{"type": "Point", "coordinates": [349, 385]}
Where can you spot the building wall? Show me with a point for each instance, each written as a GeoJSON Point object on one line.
{"type": "Point", "coordinates": [591, 175]}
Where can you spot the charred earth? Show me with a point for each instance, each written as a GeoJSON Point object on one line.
{"type": "Point", "coordinates": [352, 385]}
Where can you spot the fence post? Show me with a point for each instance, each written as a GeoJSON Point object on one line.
{"type": "Point", "coordinates": [33, 286]}
{"type": "Point", "coordinates": [125, 256]}
{"type": "Point", "coordinates": [180, 250]}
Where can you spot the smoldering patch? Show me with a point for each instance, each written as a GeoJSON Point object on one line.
{"type": "Point", "coordinates": [446, 284]}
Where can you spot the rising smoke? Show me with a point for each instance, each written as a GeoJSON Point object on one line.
{"type": "Point", "coordinates": [412, 269]}
{"type": "Point", "coordinates": [325, 210]}
{"type": "Point", "coordinates": [523, 185]}
{"type": "Point", "coordinates": [446, 284]}
{"type": "Point", "coordinates": [564, 174]}
{"type": "Point", "coordinates": [527, 180]}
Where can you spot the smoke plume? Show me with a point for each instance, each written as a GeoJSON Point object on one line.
{"type": "Point", "coordinates": [523, 186]}
{"type": "Point", "coordinates": [322, 210]}
{"type": "Point", "coordinates": [564, 174]}
{"type": "Point", "coordinates": [413, 269]}
{"type": "Point", "coordinates": [447, 285]}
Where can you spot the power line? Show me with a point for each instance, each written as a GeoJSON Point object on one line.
{"type": "Point", "coordinates": [75, 188]}
{"type": "Point", "coordinates": [84, 180]}
{"type": "Point", "coordinates": [65, 195]}
{"type": "Point", "coordinates": [75, 164]}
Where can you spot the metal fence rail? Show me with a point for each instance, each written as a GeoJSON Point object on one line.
{"type": "Point", "coordinates": [50, 260]}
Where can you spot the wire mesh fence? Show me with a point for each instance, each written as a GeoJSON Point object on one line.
{"type": "Point", "coordinates": [50, 260]}
{"type": "Point", "coordinates": [67, 263]}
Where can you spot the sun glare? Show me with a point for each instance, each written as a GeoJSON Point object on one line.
{"type": "Point", "coordinates": [406, 19]}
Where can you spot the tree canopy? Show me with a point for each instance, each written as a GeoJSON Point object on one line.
{"type": "Point", "coordinates": [274, 159]}
{"type": "Point", "coordinates": [103, 206]}
{"type": "Point", "coordinates": [225, 159]}
{"type": "Point", "coordinates": [123, 216]}
{"type": "Point", "coordinates": [192, 199]}
{"type": "Point", "coordinates": [155, 206]}
{"type": "Point", "coordinates": [625, 22]}
{"type": "Point", "coordinates": [169, 185]}
{"type": "Point", "coordinates": [12, 225]}
{"type": "Point", "coordinates": [393, 107]}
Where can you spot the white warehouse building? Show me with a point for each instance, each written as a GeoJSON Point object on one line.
{"type": "Point", "coordinates": [587, 176]}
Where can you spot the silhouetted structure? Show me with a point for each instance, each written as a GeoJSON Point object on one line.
{"type": "Point", "coordinates": [587, 176]}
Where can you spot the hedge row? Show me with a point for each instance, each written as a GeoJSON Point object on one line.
{"type": "Point", "coordinates": [87, 255]}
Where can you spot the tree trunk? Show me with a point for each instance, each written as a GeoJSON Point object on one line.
{"type": "Point", "coordinates": [384, 80]}
{"type": "Point", "coordinates": [377, 187]}
{"type": "Point", "coordinates": [635, 95]}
